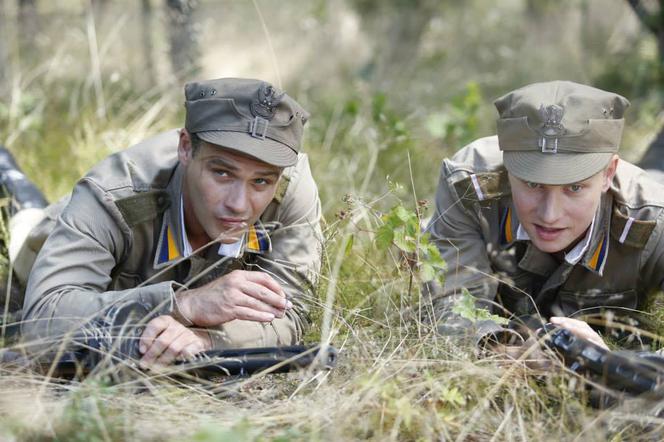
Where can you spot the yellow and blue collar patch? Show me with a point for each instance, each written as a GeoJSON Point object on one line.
{"type": "Point", "coordinates": [506, 227]}
{"type": "Point", "coordinates": [168, 247]}
{"type": "Point", "coordinates": [598, 258]}
{"type": "Point", "coordinates": [255, 240]}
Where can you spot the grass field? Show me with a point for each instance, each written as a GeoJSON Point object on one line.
{"type": "Point", "coordinates": [374, 150]}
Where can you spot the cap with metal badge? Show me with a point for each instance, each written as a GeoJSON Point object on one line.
{"type": "Point", "coordinates": [559, 132]}
{"type": "Point", "coordinates": [249, 116]}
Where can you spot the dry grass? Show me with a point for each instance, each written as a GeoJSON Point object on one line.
{"type": "Point", "coordinates": [396, 379]}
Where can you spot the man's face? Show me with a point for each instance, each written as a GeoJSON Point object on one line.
{"type": "Point", "coordinates": [224, 191]}
{"type": "Point", "coordinates": [557, 217]}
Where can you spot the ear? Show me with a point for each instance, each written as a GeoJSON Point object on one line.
{"type": "Point", "coordinates": [610, 172]}
{"type": "Point", "coordinates": [185, 151]}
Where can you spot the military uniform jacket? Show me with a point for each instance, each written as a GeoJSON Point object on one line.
{"type": "Point", "coordinates": [476, 229]}
{"type": "Point", "coordinates": [119, 238]}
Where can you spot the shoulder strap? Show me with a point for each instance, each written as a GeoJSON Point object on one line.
{"type": "Point", "coordinates": [282, 187]}
{"type": "Point", "coordinates": [629, 231]}
{"type": "Point", "coordinates": [482, 186]}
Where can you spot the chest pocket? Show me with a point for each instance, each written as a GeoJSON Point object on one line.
{"type": "Point", "coordinates": [596, 301]}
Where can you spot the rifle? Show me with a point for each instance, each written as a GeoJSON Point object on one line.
{"type": "Point", "coordinates": [631, 372]}
{"type": "Point", "coordinates": [112, 340]}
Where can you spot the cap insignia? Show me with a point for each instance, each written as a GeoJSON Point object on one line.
{"type": "Point", "coordinates": [266, 101]}
{"type": "Point", "coordinates": [551, 128]}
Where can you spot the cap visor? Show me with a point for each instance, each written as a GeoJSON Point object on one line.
{"type": "Point", "coordinates": [555, 169]}
{"type": "Point", "coordinates": [267, 150]}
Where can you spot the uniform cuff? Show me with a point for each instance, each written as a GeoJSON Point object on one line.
{"type": "Point", "coordinates": [174, 307]}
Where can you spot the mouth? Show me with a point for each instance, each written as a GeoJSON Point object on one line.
{"type": "Point", "coordinates": [233, 223]}
{"type": "Point", "coordinates": [548, 233]}
{"type": "Point", "coordinates": [231, 229]}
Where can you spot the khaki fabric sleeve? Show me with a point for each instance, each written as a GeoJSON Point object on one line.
{"type": "Point", "coordinates": [248, 334]}
{"type": "Point", "coordinates": [69, 282]}
{"type": "Point", "coordinates": [458, 233]}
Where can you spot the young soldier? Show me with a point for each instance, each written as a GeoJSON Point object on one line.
{"type": "Point", "coordinates": [544, 220]}
{"type": "Point", "coordinates": [215, 227]}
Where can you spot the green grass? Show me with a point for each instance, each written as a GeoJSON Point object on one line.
{"type": "Point", "coordinates": [373, 149]}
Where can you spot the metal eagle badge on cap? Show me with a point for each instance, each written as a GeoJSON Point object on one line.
{"type": "Point", "coordinates": [263, 108]}
{"type": "Point", "coordinates": [266, 101]}
{"type": "Point", "coordinates": [551, 128]}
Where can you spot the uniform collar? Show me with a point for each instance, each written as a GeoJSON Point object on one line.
{"type": "Point", "coordinates": [173, 244]}
{"type": "Point", "coordinates": [170, 245]}
{"type": "Point", "coordinates": [508, 225]}
{"type": "Point", "coordinates": [577, 252]}
{"type": "Point", "coordinates": [595, 257]}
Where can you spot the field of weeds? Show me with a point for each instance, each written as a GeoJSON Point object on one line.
{"type": "Point", "coordinates": [387, 106]}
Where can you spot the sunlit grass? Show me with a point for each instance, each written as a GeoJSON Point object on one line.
{"type": "Point", "coordinates": [396, 378]}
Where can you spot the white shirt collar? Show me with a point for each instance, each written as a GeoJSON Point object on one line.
{"type": "Point", "coordinates": [232, 250]}
{"type": "Point", "coordinates": [574, 255]}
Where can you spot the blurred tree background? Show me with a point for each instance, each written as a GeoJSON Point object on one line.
{"type": "Point", "coordinates": [393, 86]}
{"type": "Point", "coordinates": [381, 77]}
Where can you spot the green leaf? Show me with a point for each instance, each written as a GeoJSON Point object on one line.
{"type": "Point", "coordinates": [349, 245]}
{"type": "Point", "coordinates": [384, 237]}
{"type": "Point", "coordinates": [404, 242]}
{"type": "Point", "coordinates": [427, 272]}
{"type": "Point", "coordinates": [453, 397]}
{"type": "Point", "coordinates": [402, 213]}
{"type": "Point", "coordinates": [466, 308]}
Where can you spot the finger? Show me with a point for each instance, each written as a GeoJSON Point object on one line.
{"type": "Point", "coordinates": [249, 314]}
{"type": "Point", "coordinates": [266, 296]}
{"type": "Point", "coordinates": [152, 330]}
{"type": "Point", "coordinates": [574, 325]}
{"type": "Point", "coordinates": [255, 304]}
{"type": "Point", "coordinates": [266, 281]}
{"type": "Point", "coordinates": [580, 329]}
{"type": "Point", "coordinates": [176, 347]}
{"type": "Point", "coordinates": [569, 322]}
{"type": "Point", "coordinates": [190, 351]}
{"type": "Point", "coordinates": [162, 343]}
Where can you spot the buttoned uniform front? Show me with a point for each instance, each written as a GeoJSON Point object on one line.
{"type": "Point", "coordinates": [120, 236]}
{"type": "Point", "coordinates": [615, 267]}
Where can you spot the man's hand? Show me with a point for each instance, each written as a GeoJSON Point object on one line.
{"type": "Point", "coordinates": [580, 329]}
{"type": "Point", "coordinates": [529, 352]}
{"type": "Point", "coordinates": [241, 294]}
{"type": "Point", "coordinates": [165, 339]}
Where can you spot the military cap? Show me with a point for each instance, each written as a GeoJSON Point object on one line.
{"type": "Point", "coordinates": [559, 132]}
{"type": "Point", "coordinates": [249, 116]}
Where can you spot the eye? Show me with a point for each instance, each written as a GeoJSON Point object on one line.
{"type": "Point", "coordinates": [532, 185]}
{"type": "Point", "coordinates": [220, 172]}
{"type": "Point", "coordinates": [263, 181]}
{"type": "Point", "coordinates": [575, 188]}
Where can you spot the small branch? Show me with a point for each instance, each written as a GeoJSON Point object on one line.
{"type": "Point", "coordinates": [644, 16]}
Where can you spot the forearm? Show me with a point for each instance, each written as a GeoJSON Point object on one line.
{"type": "Point", "coordinates": [62, 311]}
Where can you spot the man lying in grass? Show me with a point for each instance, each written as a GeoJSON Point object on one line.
{"type": "Point", "coordinates": [214, 226]}
{"type": "Point", "coordinates": [544, 222]}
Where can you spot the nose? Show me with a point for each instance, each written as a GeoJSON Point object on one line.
{"type": "Point", "coordinates": [550, 208]}
{"type": "Point", "coordinates": [237, 200]}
